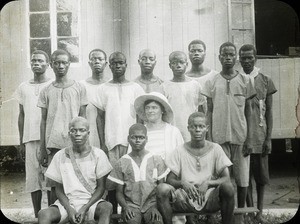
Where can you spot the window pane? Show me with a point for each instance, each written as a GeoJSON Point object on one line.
{"type": "Point", "coordinates": [71, 45]}
{"type": "Point", "coordinates": [67, 24]}
{"type": "Point", "coordinates": [67, 5]}
{"type": "Point", "coordinates": [38, 5]}
{"type": "Point", "coordinates": [40, 25]}
{"type": "Point", "coordinates": [41, 44]}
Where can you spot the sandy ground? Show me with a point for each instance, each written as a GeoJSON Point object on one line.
{"type": "Point", "coordinates": [282, 194]}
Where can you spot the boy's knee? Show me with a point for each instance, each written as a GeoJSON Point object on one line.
{"type": "Point", "coordinates": [105, 207]}
{"type": "Point", "coordinates": [163, 190]}
{"type": "Point", "coordinates": [226, 190]}
{"type": "Point", "coordinates": [44, 215]}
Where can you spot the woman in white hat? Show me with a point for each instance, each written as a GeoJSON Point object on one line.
{"type": "Point", "coordinates": [156, 112]}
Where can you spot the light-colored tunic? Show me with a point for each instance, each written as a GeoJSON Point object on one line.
{"type": "Point", "coordinates": [201, 80]}
{"type": "Point", "coordinates": [184, 165]}
{"type": "Point", "coordinates": [27, 95]}
{"type": "Point", "coordinates": [140, 182]}
{"type": "Point", "coordinates": [62, 104]}
{"type": "Point", "coordinates": [91, 112]}
{"type": "Point", "coordinates": [184, 97]}
{"type": "Point", "coordinates": [117, 100]}
{"type": "Point", "coordinates": [229, 98]}
{"type": "Point", "coordinates": [94, 166]}
{"type": "Point", "coordinates": [154, 86]}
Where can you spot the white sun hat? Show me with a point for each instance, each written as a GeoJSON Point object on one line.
{"type": "Point", "coordinates": [139, 106]}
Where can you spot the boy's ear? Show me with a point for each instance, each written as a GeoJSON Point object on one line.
{"type": "Point", "coordinates": [170, 65]}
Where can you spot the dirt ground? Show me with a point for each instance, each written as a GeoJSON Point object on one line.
{"type": "Point", "coordinates": [281, 193]}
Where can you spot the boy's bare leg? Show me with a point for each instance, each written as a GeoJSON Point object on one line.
{"type": "Point", "coordinates": [36, 198]}
{"type": "Point", "coordinates": [103, 212]}
{"type": "Point", "coordinates": [241, 196]}
{"type": "Point", "coordinates": [49, 215]}
{"type": "Point", "coordinates": [163, 203]}
{"type": "Point", "coordinates": [49, 197]}
{"type": "Point", "coordinates": [260, 189]}
{"type": "Point", "coordinates": [53, 196]}
{"type": "Point", "coordinates": [226, 195]}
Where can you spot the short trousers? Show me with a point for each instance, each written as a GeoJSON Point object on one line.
{"type": "Point", "coordinates": [139, 216]}
{"type": "Point", "coordinates": [33, 169]}
{"type": "Point", "coordinates": [114, 155]}
{"type": "Point", "coordinates": [241, 164]}
{"type": "Point", "coordinates": [179, 201]}
{"type": "Point", "coordinates": [259, 168]}
{"type": "Point", "coordinates": [52, 152]}
{"type": "Point", "coordinates": [90, 215]}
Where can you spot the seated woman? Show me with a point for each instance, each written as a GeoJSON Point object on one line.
{"type": "Point", "coordinates": [156, 112]}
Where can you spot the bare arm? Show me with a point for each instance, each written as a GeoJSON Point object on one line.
{"type": "Point", "coordinates": [269, 123]}
{"type": "Point", "coordinates": [128, 213]}
{"type": "Point", "coordinates": [82, 111]}
{"type": "Point", "coordinates": [21, 129]}
{"type": "Point", "coordinates": [100, 121]}
{"type": "Point", "coordinates": [43, 156]}
{"type": "Point", "coordinates": [209, 118]}
{"type": "Point", "coordinates": [95, 197]}
{"type": "Point", "coordinates": [248, 144]}
{"type": "Point", "coordinates": [224, 177]}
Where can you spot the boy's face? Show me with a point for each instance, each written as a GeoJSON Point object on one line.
{"type": "Point", "coordinates": [97, 61]}
{"type": "Point", "coordinates": [247, 60]}
{"type": "Point", "coordinates": [197, 54]}
{"type": "Point", "coordinates": [198, 129]}
{"type": "Point", "coordinates": [38, 63]}
{"type": "Point", "coordinates": [137, 139]}
{"type": "Point", "coordinates": [227, 57]}
{"type": "Point", "coordinates": [79, 133]}
{"type": "Point", "coordinates": [178, 64]}
{"type": "Point", "coordinates": [118, 65]}
{"type": "Point", "coordinates": [60, 65]}
{"type": "Point", "coordinates": [147, 61]}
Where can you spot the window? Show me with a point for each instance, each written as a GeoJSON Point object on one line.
{"type": "Point", "coordinates": [277, 29]}
{"type": "Point", "coordinates": [54, 25]}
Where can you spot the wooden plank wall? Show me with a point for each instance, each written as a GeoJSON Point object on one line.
{"type": "Point", "coordinates": [286, 76]}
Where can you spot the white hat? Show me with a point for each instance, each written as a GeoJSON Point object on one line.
{"type": "Point", "coordinates": [139, 105]}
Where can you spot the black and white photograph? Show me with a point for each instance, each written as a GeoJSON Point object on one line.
{"type": "Point", "coordinates": [150, 111]}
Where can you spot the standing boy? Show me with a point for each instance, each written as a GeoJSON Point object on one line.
{"type": "Point", "coordinates": [29, 122]}
{"type": "Point", "coordinates": [228, 115]}
{"type": "Point", "coordinates": [262, 124]}
{"type": "Point", "coordinates": [115, 106]}
{"type": "Point", "coordinates": [60, 102]}
{"type": "Point", "coordinates": [199, 180]}
{"type": "Point", "coordinates": [147, 80]}
{"type": "Point", "coordinates": [197, 53]}
{"type": "Point", "coordinates": [97, 63]}
{"type": "Point", "coordinates": [79, 172]}
{"type": "Point", "coordinates": [137, 175]}
{"type": "Point", "coordinates": [183, 93]}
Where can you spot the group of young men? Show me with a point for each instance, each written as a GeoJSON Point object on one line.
{"type": "Point", "coordinates": [224, 117]}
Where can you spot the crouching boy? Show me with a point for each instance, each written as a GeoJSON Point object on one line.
{"type": "Point", "coordinates": [199, 179]}
{"type": "Point", "coordinates": [137, 175]}
{"type": "Point", "coordinates": [80, 173]}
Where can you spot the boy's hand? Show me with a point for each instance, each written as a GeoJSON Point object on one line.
{"type": "Point", "coordinates": [247, 150]}
{"type": "Point", "coordinates": [43, 157]}
{"type": "Point", "coordinates": [201, 192]}
{"type": "Point", "coordinates": [190, 189]}
{"type": "Point", "coordinates": [266, 148]}
{"type": "Point", "coordinates": [72, 216]}
{"type": "Point", "coordinates": [80, 215]}
{"type": "Point", "coordinates": [128, 213]}
{"type": "Point", "coordinates": [154, 215]}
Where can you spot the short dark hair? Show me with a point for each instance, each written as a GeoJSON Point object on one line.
{"type": "Point", "coordinates": [247, 47]}
{"type": "Point", "coordinates": [176, 52]}
{"type": "Point", "coordinates": [197, 42]}
{"type": "Point", "coordinates": [194, 115]}
{"type": "Point", "coordinates": [41, 52]}
{"type": "Point", "coordinates": [60, 52]}
{"type": "Point", "coordinates": [138, 126]}
{"type": "Point", "coordinates": [116, 53]}
{"type": "Point", "coordinates": [150, 101]}
{"type": "Point", "coordinates": [98, 50]}
{"type": "Point", "coordinates": [226, 44]}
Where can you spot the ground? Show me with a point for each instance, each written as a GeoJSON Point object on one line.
{"type": "Point", "coordinates": [282, 194]}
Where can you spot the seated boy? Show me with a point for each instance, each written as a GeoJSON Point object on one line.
{"type": "Point", "coordinates": [137, 175]}
{"type": "Point", "coordinates": [80, 173]}
{"type": "Point", "coordinates": [199, 180]}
